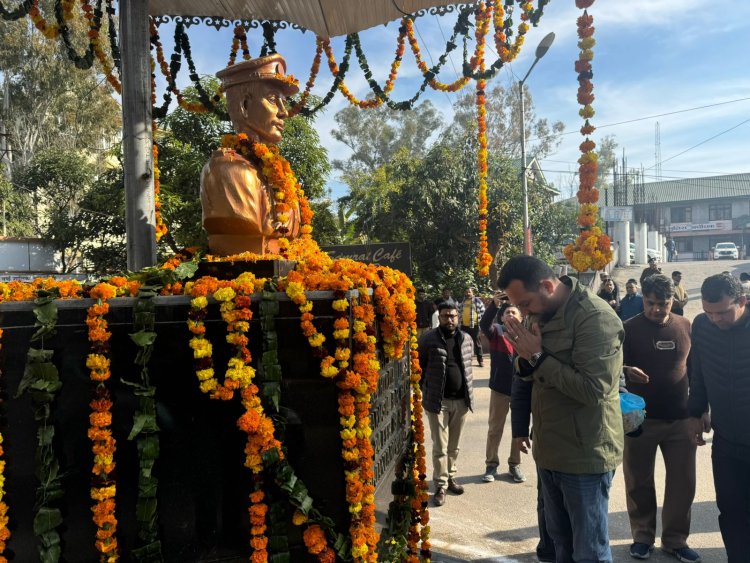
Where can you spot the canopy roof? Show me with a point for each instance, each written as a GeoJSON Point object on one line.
{"type": "Point", "coordinates": [327, 18]}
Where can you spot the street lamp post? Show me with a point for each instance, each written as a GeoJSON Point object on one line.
{"type": "Point", "coordinates": [541, 50]}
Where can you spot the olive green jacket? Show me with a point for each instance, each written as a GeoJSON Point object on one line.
{"type": "Point", "coordinates": [575, 403]}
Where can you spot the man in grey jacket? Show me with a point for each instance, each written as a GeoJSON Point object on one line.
{"type": "Point", "coordinates": [719, 371]}
{"type": "Point", "coordinates": [573, 355]}
{"type": "Point", "coordinates": [447, 384]}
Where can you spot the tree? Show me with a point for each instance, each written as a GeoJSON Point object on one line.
{"type": "Point", "coordinates": [375, 136]}
{"type": "Point", "coordinates": [504, 124]}
{"type": "Point", "coordinates": [58, 181]}
{"type": "Point", "coordinates": [102, 223]}
{"type": "Point", "coordinates": [17, 211]}
{"type": "Point", "coordinates": [52, 103]}
{"type": "Point", "coordinates": [429, 196]}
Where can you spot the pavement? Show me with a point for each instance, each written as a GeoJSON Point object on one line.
{"type": "Point", "coordinates": [497, 522]}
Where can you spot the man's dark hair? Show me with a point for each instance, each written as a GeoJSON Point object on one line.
{"type": "Point", "coordinates": [530, 271]}
{"type": "Point", "coordinates": [676, 273]}
{"type": "Point", "coordinates": [446, 305]}
{"type": "Point", "coordinates": [717, 287]}
{"type": "Point", "coordinates": [632, 280]}
{"type": "Point", "coordinates": [658, 285]}
{"type": "Point", "coordinates": [744, 276]}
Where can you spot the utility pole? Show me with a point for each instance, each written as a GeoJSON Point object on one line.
{"type": "Point", "coordinates": [137, 139]}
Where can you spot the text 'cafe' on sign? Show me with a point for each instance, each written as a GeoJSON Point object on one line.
{"type": "Point", "coordinates": [396, 255]}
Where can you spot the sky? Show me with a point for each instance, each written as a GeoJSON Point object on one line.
{"type": "Point", "coordinates": [684, 64]}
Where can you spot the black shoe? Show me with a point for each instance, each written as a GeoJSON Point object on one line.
{"type": "Point", "coordinates": [455, 488]}
{"type": "Point", "coordinates": [438, 499]}
{"type": "Point", "coordinates": [641, 550]}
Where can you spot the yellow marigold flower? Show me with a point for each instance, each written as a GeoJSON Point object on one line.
{"type": "Point", "coordinates": [299, 518]}
{"type": "Point", "coordinates": [103, 493]}
{"type": "Point", "coordinates": [204, 374]}
{"type": "Point", "coordinates": [306, 308]}
{"type": "Point", "coordinates": [199, 302]}
{"type": "Point", "coordinates": [347, 421]}
{"type": "Point", "coordinates": [97, 361]}
{"type": "Point", "coordinates": [350, 455]}
{"type": "Point", "coordinates": [208, 385]}
{"type": "Point", "coordinates": [235, 363]}
{"type": "Point", "coordinates": [296, 292]}
{"type": "Point", "coordinates": [224, 294]}
{"type": "Point", "coordinates": [340, 304]}
{"type": "Point", "coordinates": [359, 550]}
{"type": "Point", "coordinates": [364, 433]}
{"type": "Point", "coordinates": [341, 334]}
{"type": "Point", "coordinates": [316, 340]}
{"type": "Point", "coordinates": [329, 371]}
{"type": "Point", "coordinates": [202, 348]}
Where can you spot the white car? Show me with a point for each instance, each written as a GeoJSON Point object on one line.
{"type": "Point", "coordinates": [650, 253]}
{"type": "Point", "coordinates": [726, 250]}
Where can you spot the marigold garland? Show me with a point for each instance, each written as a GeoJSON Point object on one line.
{"type": "Point", "coordinates": [484, 258]}
{"type": "Point", "coordinates": [356, 371]}
{"type": "Point", "coordinates": [592, 248]}
{"type": "Point", "coordinates": [103, 487]}
{"type": "Point", "coordinates": [420, 514]}
{"type": "Point", "coordinates": [287, 191]}
{"type": "Point", "coordinates": [435, 84]}
{"type": "Point", "coordinates": [4, 531]}
{"type": "Point", "coordinates": [509, 52]}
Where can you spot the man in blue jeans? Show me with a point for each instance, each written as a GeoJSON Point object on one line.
{"type": "Point", "coordinates": [572, 353]}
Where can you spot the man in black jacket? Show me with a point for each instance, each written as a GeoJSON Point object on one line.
{"type": "Point", "coordinates": [719, 370]}
{"type": "Point", "coordinates": [445, 357]}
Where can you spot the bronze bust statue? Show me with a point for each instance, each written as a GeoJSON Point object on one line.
{"type": "Point", "coordinates": [239, 212]}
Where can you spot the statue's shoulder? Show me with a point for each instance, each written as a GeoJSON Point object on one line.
{"type": "Point", "coordinates": [227, 168]}
{"type": "Point", "coordinates": [228, 157]}
{"type": "Point", "coordinates": [227, 165]}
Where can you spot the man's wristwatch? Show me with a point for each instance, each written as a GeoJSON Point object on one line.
{"type": "Point", "coordinates": [536, 359]}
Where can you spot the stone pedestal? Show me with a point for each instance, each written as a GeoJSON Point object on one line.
{"type": "Point", "coordinates": [203, 485]}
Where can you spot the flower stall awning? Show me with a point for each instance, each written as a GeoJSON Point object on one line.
{"type": "Point", "coordinates": [327, 18]}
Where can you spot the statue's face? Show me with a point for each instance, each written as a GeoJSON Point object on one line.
{"type": "Point", "coordinates": [260, 112]}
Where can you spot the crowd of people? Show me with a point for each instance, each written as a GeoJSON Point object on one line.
{"type": "Point", "coordinates": [562, 357]}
